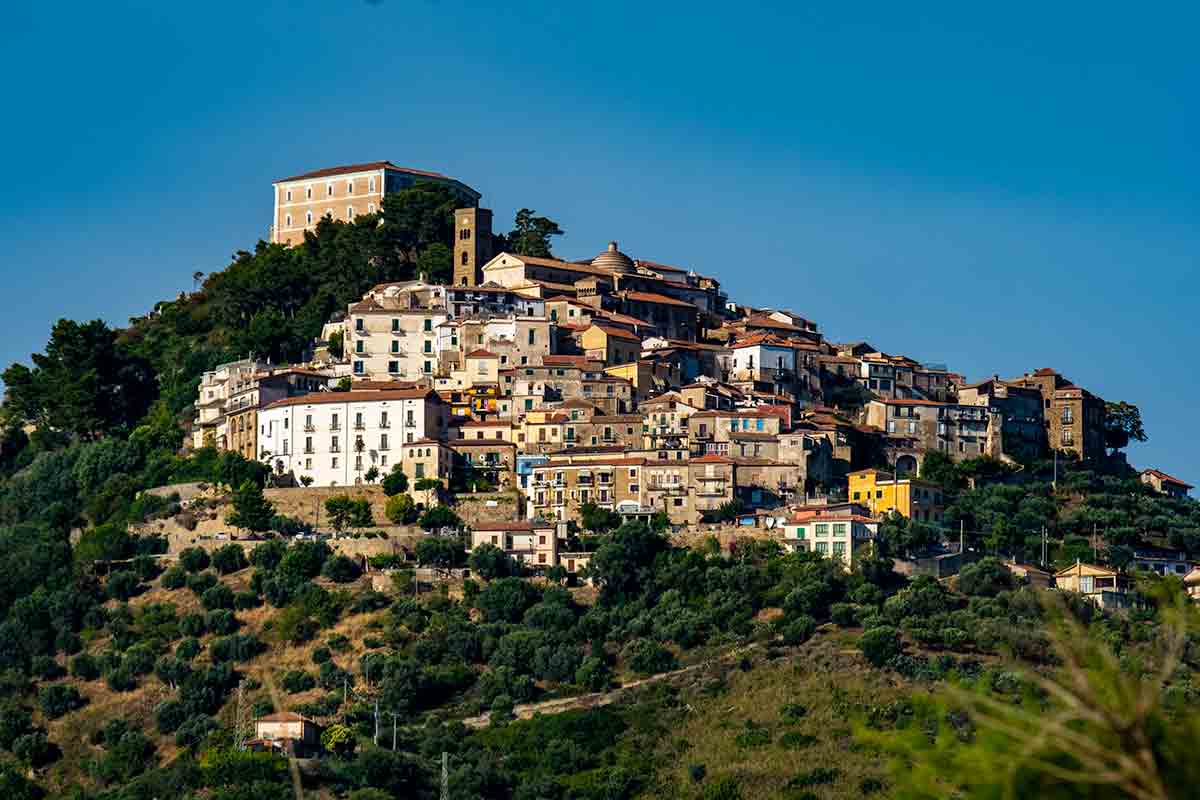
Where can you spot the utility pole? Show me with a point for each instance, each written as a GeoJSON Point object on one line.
{"type": "Point", "coordinates": [237, 726]}
{"type": "Point", "coordinates": [1043, 545]}
{"type": "Point", "coordinates": [345, 689]}
{"type": "Point", "coordinates": [445, 776]}
{"type": "Point", "coordinates": [1055, 482]}
{"type": "Point", "coordinates": [962, 526]}
{"type": "Point", "coordinates": [377, 722]}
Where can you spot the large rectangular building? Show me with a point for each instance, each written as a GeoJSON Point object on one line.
{"type": "Point", "coordinates": [345, 192]}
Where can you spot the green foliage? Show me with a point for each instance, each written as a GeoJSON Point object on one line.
{"type": "Point", "coordinates": [440, 551]}
{"type": "Point", "coordinates": [339, 740]}
{"type": "Point", "coordinates": [879, 645]}
{"type": "Point", "coordinates": [531, 234]}
{"type": "Point", "coordinates": [439, 517]}
{"type": "Point", "coordinates": [341, 569]}
{"type": "Point", "coordinates": [490, 562]}
{"type": "Point", "coordinates": [987, 577]}
{"type": "Point", "coordinates": [58, 699]}
{"type": "Point", "coordinates": [194, 559]}
{"type": "Point", "coordinates": [229, 558]}
{"type": "Point", "coordinates": [648, 658]}
{"type": "Point", "coordinates": [401, 509]}
{"type": "Point", "coordinates": [1122, 424]}
{"type": "Point", "coordinates": [251, 510]}
{"type": "Point", "coordinates": [597, 519]}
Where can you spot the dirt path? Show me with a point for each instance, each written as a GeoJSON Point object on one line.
{"type": "Point", "coordinates": [596, 699]}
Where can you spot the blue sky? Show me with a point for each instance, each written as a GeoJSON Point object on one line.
{"type": "Point", "coordinates": [999, 188]}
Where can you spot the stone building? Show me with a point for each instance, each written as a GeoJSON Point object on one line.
{"type": "Point", "coordinates": [1074, 416]}
{"type": "Point", "coordinates": [345, 192]}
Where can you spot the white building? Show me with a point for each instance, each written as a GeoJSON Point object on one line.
{"type": "Point", "coordinates": [840, 536]}
{"type": "Point", "coordinates": [762, 358]}
{"type": "Point", "coordinates": [391, 334]}
{"type": "Point", "coordinates": [336, 437]}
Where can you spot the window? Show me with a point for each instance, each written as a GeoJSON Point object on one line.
{"type": "Point", "coordinates": [393, 367]}
{"type": "Point", "coordinates": [334, 447]}
{"type": "Point", "coordinates": [822, 529]}
{"type": "Point", "coordinates": [289, 220]}
{"type": "Point", "coordinates": [359, 346]}
{"type": "Point", "coordinates": [329, 190]}
{"type": "Point", "coordinates": [349, 187]}
{"type": "Point", "coordinates": [358, 323]}
{"type": "Point", "coordinates": [428, 325]}
{"type": "Point", "coordinates": [532, 336]}
{"type": "Point", "coordinates": [358, 368]}
{"type": "Point", "coordinates": [383, 442]}
{"type": "Point", "coordinates": [349, 212]}
{"type": "Point", "coordinates": [839, 529]}
{"type": "Point", "coordinates": [370, 208]}
{"type": "Point", "coordinates": [822, 547]}
{"type": "Point", "coordinates": [395, 346]}
{"type": "Point", "coordinates": [383, 419]}
{"type": "Point", "coordinates": [370, 184]}
{"type": "Point", "coordinates": [333, 425]}
{"type": "Point", "coordinates": [428, 367]}
{"type": "Point", "coordinates": [1086, 584]}
{"type": "Point", "coordinates": [308, 217]}
{"type": "Point", "coordinates": [839, 549]}
{"type": "Point", "coordinates": [289, 195]}
{"type": "Point", "coordinates": [800, 532]}
{"type": "Point", "coordinates": [308, 193]}
{"type": "Point", "coordinates": [333, 463]}
{"type": "Point", "coordinates": [465, 258]}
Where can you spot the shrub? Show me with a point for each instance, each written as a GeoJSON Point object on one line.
{"type": "Point", "coordinates": [219, 596]}
{"type": "Point", "coordinates": [68, 642]}
{"type": "Point", "coordinates": [122, 585]}
{"type": "Point", "coordinates": [321, 655]}
{"type": "Point", "coordinates": [338, 643]}
{"type": "Point", "coordinates": [267, 555]}
{"type": "Point", "coordinates": [59, 699]}
{"type": "Point", "coordinates": [221, 622]}
{"type": "Point", "coordinates": [987, 577]}
{"type": "Point", "coordinates": [341, 569]}
{"type": "Point", "coordinates": [120, 679]}
{"type": "Point", "coordinates": [593, 674]}
{"type": "Point", "coordinates": [138, 659]}
{"type": "Point", "coordinates": [244, 601]}
{"type": "Point", "coordinates": [818, 776]}
{"type": "Point", "coordinates": [15, 721]}
{"type": "Point", "coordinates": [238, 647]}
{"type": "Point", "coordinates": [880, 645]}
{"type": "Point", "coordinates": [794, 740]}
{"type": "Point", "coordinates": [394, 483]}
{"type": "Point", "coordinates": [188, 649]}
{"type": "Point", "coordinates": [195, 730]}
{"type": "Point", "coordinates": [228, 559]}
{"type": "Point", "coordinates": [955, 638]}
{"type": "Point", "coordinates": [844, 614]}
{"type": "Point", "coordinates": [169, 715]}
{"type": "Point", "coordinates": [192, 625]}
{"type": "Point", "coordinates": [793, 712]}
{"type": "Point", "coordinates": [401, 510]}
{"type": "Point", "coordinates": [726, 788]}
{"type": "Point", "coordinates": [295, 681]}
{"type": "Point", "coordinates": [798, 630]}
{"type": "Point", "coordinates": [753, 736]}
{"type": "Point", "coordinates": [84, 667]}
{"type": "Point", "coordinates": [34, 749]}
{"type": "Point", "coordinates": [648, 657]}
{"type": "Point", "coordinates": [194, 559]}
{"type": "Point", "coordinates": [201, 582]}
{"type": "Point", "coordinates": [46, 668]}
{"type": "Point", "coordinates": [174, 578]}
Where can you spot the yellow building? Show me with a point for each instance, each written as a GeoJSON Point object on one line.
{"type": "Point", "coordinates": [610, 344]}
{"type": "Point", "coordinates": [881, 492]}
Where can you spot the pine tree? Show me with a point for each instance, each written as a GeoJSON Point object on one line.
{"type": "Point", "coordinates": [251, 510]}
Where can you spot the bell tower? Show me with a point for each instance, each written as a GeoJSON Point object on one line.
{"type": "Point", "coordinates": [472, 245]}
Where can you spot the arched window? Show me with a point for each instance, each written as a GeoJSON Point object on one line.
{"type": "Point", "coordinates": [465, 258]}
{"type": "Point", "coordinates": [349, 187]}
{"type": "Point", "coordinates": [289, 221]}
{"type": "Point", "coordinates": [308, 217]}
{"type": "Point", "coordinates": [464, 281]}
{"type": "Point", "coordinates": [329, 189]}
{"type": "Point", "coordinates": [308, 192]}
{"type": "Point", "coordinates": [371, 185]}
{"type": "Point", "coordinates": [349, 213]}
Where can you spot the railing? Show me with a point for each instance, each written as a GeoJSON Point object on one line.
{"type": "Point", "coordinates": [384, 424]}
{"type": "Point", "coordinates": [308, 451]}
{"type": "Point", "coordinates": [335, 427]}
{"type": "Point", "coordinates": [360, 426]}
{"type": "Point", "coordinates": [309, 428]}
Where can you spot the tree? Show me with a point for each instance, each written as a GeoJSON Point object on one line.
{"type": "Point", "coordinates": [229, 558]}
{"type": "Point", "coordinates": [85, 384]}
{"type": "Point", "coordinates": [531, 234]}
{"type": "Point", "coordinates": [58, 699]}
{"type": "Point", "coordinates": [339, 740]}
{"type": "Point", "coordinates": [439, 551]}
{"type": "Point", "coordinates": [401, 509]}
{"type": "Point", "coordinates": [987, 577]}
{"type": "Point", "coordinates": [395, 482]}
{"type": "Point", "coordinates": [251, 510]}
{"type": "Point", "coordinates": [341, 569]}
{"type": "Point", "coordinates": [1122, 424]}
{"type": "Point", "coordinates": [372, 474]}
{"type": "Point", "coordinates": [336, 343]}
{"type": "Point", "coordinates": [340, 509]}
{"type": "Point", "coordinates": [416, 218]}
{"type": "Point", "coordinates": [360, 513]}
{"type": "Point", "coordinates": [490, 562]}
{"type": "Point", "coordinates": [435, 264]}
{"type": "Point", "coordinates": [597, 519]}
{"type": "Point", "coordinates": [440, 517]}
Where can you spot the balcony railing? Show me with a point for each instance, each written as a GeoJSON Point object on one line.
{"type": "Point", "coordinates": [309, 427]}
{"type": "Point", "coordinates": [360, 426]}
{"type": "Point", "coordinates": [385, 424]}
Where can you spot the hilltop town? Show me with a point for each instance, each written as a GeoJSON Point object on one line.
{"type": "Point", "coordinates": [622, 384]}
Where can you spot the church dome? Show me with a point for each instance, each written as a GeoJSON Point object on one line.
{"type": "Point", "coordinates": [613, 259]}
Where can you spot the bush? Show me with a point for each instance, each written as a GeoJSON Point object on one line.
{"type": "Point", "coordinates": [195, 730]}
{"type": "Point", "coordinates": [818, 776]}
{"type": "Point", "coordinates": [201, 582]}
{"type": "Point", "coordinates": [15, 721]}
{"type": "Point", "coordinates": [844, 614]}
{"type": "Point", "coordinates": [440, 517]}
{"type": "Point", "coordinates": [880, 645]}
{"type": "Point", "coordinates": [122, 585]}
{"type": "Point", "coordinates": [221, 622]}
{"type": "Point", "coordinates": [120, 679]}
{"type": "Point", "coordinates": [59, 699]}
{"type": "Point", "coordinates": [754, 735]}
{"type": "Point", "coordinates": [194, 559]}
{"type": "Point", "coordinates": [46, 668]}
{"type": "Point", "coordinates": [401, 510]}
{"type": "Point", "coordinates": [174, 578]}
{"type": "Point", "coordinates": [955, 638]}
{"type": "Point", "coordinates": [799, 630]}
{"type": "Point", "coordinates": [794, 740]}
{"type": "Point", "coordinates": [219, 596]}
{"type": "Point", "coordinates": [295, 681]}
{"type": "Point", "coordinates": [238, 647]}
{"type": "Point", "coordinates": [188, 649]}
{"type": "Point", "coordinates": [244, 601]}
{"type": "Point", "coordinates": [394, 483]}
{"type": "Point", "coordinates": [228, 559]}
{"type": "Point", "coordinates": [987, 577]}
{"type": "Point", "coordinates": [192, 625]}
{"type": "Point", "coordinates": [138, 659]}
{"type": "Point", "coordinates": [593, 674]}
{"type": "Point", "coordinates": [338, 643]}
{"type": "Point", "coordinates": [34, 749]}
{"type": "Point", "coordinates": [648, 657]}
{"type": "Point", "coordinates": [341, 569]}
{"type": "Point", "coordinates": [169, 715]}
{"type": "Point", "coordinates": [267, 555]}
{"type": "Point", "coordinates": [84, 667]}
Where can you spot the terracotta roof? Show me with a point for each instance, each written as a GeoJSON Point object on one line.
{"type": "Point", "coordinates": [798, 517]}
{"type": "Point", "coordinates": [619, 333]}
{"type": "Point", "coordinates": [284, 716]}
{"type": "Point", "coordinates": [617, 418]}
{"type": "Point", "coordinates": [1162, 476]}
{"type": "Point", "coordinates": [603, 462]}
{"type": "Point", "coordinates": [913, 402]}
{"type": "Point", "coordinates": [568, 361]}
{"type": "Point", "coordinates": [481, 354]}
{"type": "Point", "coordinates": [753, 436]}
{"type": "Point", "coordinates": [760, 339]}
{"type": "Point", "coordinates": [457, 443]}
{"type": "Point", "coordinates": [482, 423]}
{"type": "Point", "coordinates": [711, 458]}
{"type": "Point", "coordinates": [654, 265]}
{"type": "Point", "coordinates": [753, 413]}
{"type": "Point", "coordinates": [655, 297]}
{"type": "Point", "coordinates": [349, 169]}
{"type": "Point", "coordinates": [365, 396]}
{"type": "Point", "coordinates": [511, 525]}
{"type": "Point", "coordinates": [1045, 372]}
{"type": "Point", "coordinates": [384, 385]}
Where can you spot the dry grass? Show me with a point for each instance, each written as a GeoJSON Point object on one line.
{"type": "Point", "coordinates": [718, 712]}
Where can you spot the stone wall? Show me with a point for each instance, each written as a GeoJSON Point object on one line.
{"type": "Point", "coordinates": [487, 507]}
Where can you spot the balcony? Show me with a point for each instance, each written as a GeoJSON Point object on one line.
{"type": "Point", "coordinates": [308, 451]}
{"type": "Point", "coordinates": [410, 423]}
{"type": "Point", "coordinates": [384, 424]}
{"type": "Point", "coordinates": [309, 428]}
{"type": "Point", "coordinates": [335, 427]}
{"type": "Point", "coordinates": [360, 426]}
{"type": "Point", "coordinates": [711, 490]}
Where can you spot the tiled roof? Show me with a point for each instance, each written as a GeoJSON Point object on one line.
{"type": "Point", "coordinates": [619, 333]}
{"type": "Point", "coordinates": [284, 716]}
{"type": "Point", "coordinates": [511, 525]}
{"type": "Point", "coordinates": [602, 462]}
{"type": "Point", "coordinates": [1162, 476]}
{"type": "Point", "coordinates": [911, 402]}
{"type": "Point", "coordinates": [481, 354]}
{"type": "Point", "coordinates": [655, 297]}
{"type": "Point", "coordinates": [711, 458]}
{"type": "Point", "coordinates": [349, 169]}
{"type": "Point", "coordinates": [365, 396]}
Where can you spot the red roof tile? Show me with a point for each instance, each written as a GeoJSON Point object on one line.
{"type": "Point", "coordinates": [367, 167]}
{"type": "Point", "coordinates": [365, 396]}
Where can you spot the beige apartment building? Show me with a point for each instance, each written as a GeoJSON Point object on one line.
{"type": "Point", "coordinates": [391, 334]}
{"type": "Point", "coordinates": [345, 192]}
{"type": "Point", "coordinates": [559, 487]}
